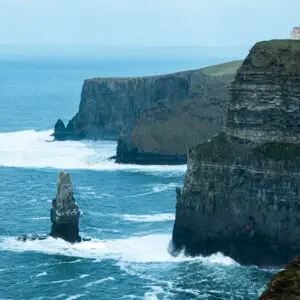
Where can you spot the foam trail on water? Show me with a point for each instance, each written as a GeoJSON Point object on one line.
{"type": "Point", "coordinates": [139, 249]}
{"type": "Point", "coordinates": [149, 218]}
{"type": "Point", "coordinates": [36, 149]}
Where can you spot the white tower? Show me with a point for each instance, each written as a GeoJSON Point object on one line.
{"type": "Point", "coordinates": [295, 34]}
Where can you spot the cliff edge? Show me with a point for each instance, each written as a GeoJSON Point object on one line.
{"type": "Point", "coordinates": [241, 191]}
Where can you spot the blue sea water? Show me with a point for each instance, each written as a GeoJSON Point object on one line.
{"type": "Point", "coordinates": [128, 210]}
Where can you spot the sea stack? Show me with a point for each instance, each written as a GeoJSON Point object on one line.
{"type": "Point", "coordinates": [241, 193]}
{"type": "Point", "coordinates": [64, 212]}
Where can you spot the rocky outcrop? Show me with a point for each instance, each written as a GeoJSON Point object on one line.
{"type": "Point", "coordinates": [157, 118]}
{"type": "Point", "coordinates": [285, 285]}
{"type": "Point", "coordinates": [241, 191]}
{"type": "Point", "coordinates": [64, 212]}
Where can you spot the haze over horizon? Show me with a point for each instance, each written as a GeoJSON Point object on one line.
{"type": "Point", "coordinates": [135, 23]}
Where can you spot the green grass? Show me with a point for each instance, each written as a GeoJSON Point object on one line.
{"type": "Point", "coordinates": [228, 68]}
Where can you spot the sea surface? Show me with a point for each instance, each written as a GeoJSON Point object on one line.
{"type": "Point", "coordinates": [128, 210]}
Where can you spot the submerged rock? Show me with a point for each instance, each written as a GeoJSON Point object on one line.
{"type": "Point", "coordinates": [64, 212]}
{"type": "Point", "coordinates": [241, 191]}
{"type": "Point", "coordinates": [284, 285]}
{"type": "Point", "coordinates": [32, 237]}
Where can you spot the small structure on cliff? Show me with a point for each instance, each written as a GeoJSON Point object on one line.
{"type": "Point", "coordinates": [241, 193]}
{"type": "Point", "coordinates": [64, 212]}
{"type": "Point", "coordinates": [295, 34]}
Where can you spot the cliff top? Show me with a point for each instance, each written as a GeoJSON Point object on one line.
{"type": "Point", "coordinates": [219, 70]}
{"type": "Point", "coordinates": [276, 56]}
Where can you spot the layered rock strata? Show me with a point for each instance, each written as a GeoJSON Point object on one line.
{"type": "Point", "coordinates": [64, 212]}
{"type": "Point", "coordinates": [241, 192]}
{"type": "Point", "coordinates": [285, 285]}
{"type": "Point", "coordinates": [157, 118]}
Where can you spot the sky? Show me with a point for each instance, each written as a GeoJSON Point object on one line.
{"type": "Point", "coordinates": [155, 23]}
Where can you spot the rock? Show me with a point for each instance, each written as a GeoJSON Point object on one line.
{"type": "Point", "coordinates": [158, 117]}
{"type": "Point", "coordinates": [32, 237]}
{"type": "Point", "coordinates": [86, 239]}
{"type": "Point", "coordinates": [284, 285]}
{"type": "Point", "coordinates": [62, 133]}
{"type": "Point", "coordinates": [241, 191]}
{"type": "Point", "coordinates": [64, 212]}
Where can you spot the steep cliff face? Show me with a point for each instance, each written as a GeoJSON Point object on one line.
{"type": "Point", "coordinates": [158, 117]}
{"type": "Point", "coordinates": [265, 94]}
{"type": "Point", "coordinates": [241, 193]}
{"type": "Point", "coordinates": [165, 132]}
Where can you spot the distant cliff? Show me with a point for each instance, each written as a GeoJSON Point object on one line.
{"type": "Point", "coordinates": [241, 191]}
{"type": "Point", "coordinates": [158, 117]}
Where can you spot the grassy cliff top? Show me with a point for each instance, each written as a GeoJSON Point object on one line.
{"type": "Point", "coordinates": [225, 71]}
{"type": "Point", "coordinates": [227, 68]}
{"type": "Point", "coordinates": [274, 56]}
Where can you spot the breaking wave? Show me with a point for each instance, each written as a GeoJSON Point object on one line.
{"type": "Point", "coordinates": [150, 218]}
{"type": "Point", "coordinates": [137, 249]}
{"type": "Point", "coordinates": [36, 149]}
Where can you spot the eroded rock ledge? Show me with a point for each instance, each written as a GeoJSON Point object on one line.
{"type": "Point", "coordinates": [284, 285]}
{"type": "Point", "coordinates": [241, 191]}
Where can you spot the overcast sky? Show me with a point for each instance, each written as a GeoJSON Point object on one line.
{"type": "Point", "coordinates": [146, 22]}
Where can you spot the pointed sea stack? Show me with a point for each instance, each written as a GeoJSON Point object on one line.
{"type": "Point", "coordinates": [241, 193]}
{"type": "Point", "coordinates": [64, 212]}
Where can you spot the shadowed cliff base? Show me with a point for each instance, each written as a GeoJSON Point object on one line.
{"type": "Point", "coordinates": [241, 192]}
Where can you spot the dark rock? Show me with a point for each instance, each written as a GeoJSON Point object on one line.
{"type": "Point", "coordinates": [32, 237]}
{"type": "Point", "coordinates": [42, 237]}
{"type": "Point", "coordinates": [86, 239]}
{"type": "Point", "coordinates": [62, 133]}
{"type": "Point", "coordinates": [22, 238]}
{"type": "Point", "coordinates": [284, 285]}
{"type": "Point", "coordinates": [241, 191]}
{"type": "Point", "coordinates": [64, 212]}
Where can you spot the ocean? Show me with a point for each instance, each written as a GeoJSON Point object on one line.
{"type": "Point", "coordinates": [128, 210]}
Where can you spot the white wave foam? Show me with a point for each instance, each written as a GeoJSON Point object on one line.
{"type": "Point", "coordinates": [75, 297]}
{"type": "Point", "coordinates": [144, 249]}
{"type": "Point", "coordinates": [164, 187]}
{"type": "Point", "coordinates": [84, 275]}
{"type": "Point", "coordinates": [40, 218]}
{"type": "Point", "coordinates": [150, 218]}
{"type": "Point", "coordinates": [99, 281]}
{"type": "Point", "coordinates": [36, 149]}
{"type": "Point", "coordinates": [41, 274]}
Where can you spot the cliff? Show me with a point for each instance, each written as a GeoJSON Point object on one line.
{"type": "Point", "coordinates": [158, 117]}
{"type": "Point", "coordinates": [284, 285]}
{"type": "Point", "coordinates": [241, 190]}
